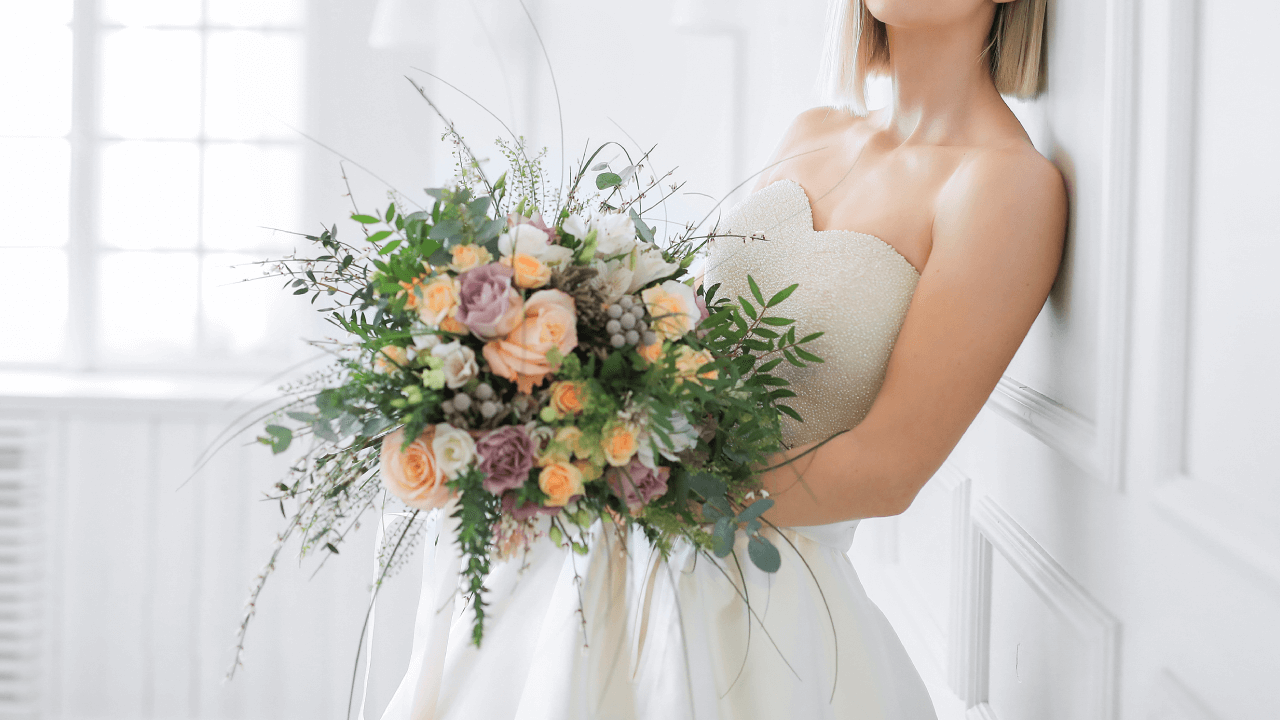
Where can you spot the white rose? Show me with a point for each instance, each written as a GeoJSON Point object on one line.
{"type": "Point", "coordinates": [454, 450]}
{"type": "Point", "coordinates": [556, 255]}
{"type": "Point", "coordinates": [459, 363]}
{"type": "Point", "coordinates": [647, 265]}
{"type": "Point", "coordinates": [615, 234]}
{"type": "Point", "coordinates": [576, 225]}
{"type": "Point", "coordinates": [613, 278]}
{"type": "Point", "coordinates": [525, 238]}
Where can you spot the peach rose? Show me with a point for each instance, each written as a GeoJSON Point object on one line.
{"type": "Point", "coordinates": [439, 300]}
{"type": "Point", "coordinates": [412, 292]}
{"type": "Point", "coordinates": [466, 257]}
{"type": "Point", "coordinates": [689, 360]}
{"type": "Point", "coordinates": [619, 442]}
{"type": "Point", "coordinates": [568, 397]}
{"type": "Point", "coordinates": [561, 482]}
{"type": "Point", "coordinates": [572, 436]}
{"type": "Point", "coordinates": [650, 352]}
{"type": "Point", "coordinates": [451, 325]}
{"type": "Point", "coordinates": [412, 474]}
{"type": "Point", "coordinates": [562, 447]}
{"type": "Point", "coordinates": [550, 321]}
{"type": "Point", "coordinates": [530, 272]}
{"type": "Point", "coordinates": [390, 358]}
{"type": "Point", "coordinates": [673, 307]}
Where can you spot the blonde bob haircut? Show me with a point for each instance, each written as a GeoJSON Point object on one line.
{"type": "Point", "coordinates": [857, 46]}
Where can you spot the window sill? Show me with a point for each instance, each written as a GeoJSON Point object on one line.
{"type": "Point", "coordinates": [49, 390]}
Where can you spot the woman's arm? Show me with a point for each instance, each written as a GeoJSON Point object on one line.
{"type": "Point", "coordinates": [997, 241]}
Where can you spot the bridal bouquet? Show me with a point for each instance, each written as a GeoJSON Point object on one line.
{"type": "Point", "coordinates": [533, 368]}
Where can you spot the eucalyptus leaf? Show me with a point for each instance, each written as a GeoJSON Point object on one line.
{"type": "Point", "coordinates": [723, 534]}
{"type": "Point", "coordinates": [763, 554]}
{"type": "Point", "coordinates": [607, 180]}
{"type": "Point", "coordinates": [755, 510]}
{"type": "Point", "coordinates": [324, 431]}
{"type": "Point", "coordinates": [278, 438]}
{"type": "Point", "coordinates": [646, 233]}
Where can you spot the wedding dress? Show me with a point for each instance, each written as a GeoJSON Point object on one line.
{"type": "Point", "coordinates": [619, 634]}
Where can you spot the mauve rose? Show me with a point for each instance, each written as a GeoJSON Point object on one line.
{"type": "Point", "coordinates": [488, 305]}
{"type": "Point", "coordinates": [525, 511]}
{"type": "Point", "coordinates": [636, 484]}
{"type": "Point", "coordinates": [506, 457]}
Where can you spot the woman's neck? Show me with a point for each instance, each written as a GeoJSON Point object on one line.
{"type": "Point", "coordinates": [940, 78]}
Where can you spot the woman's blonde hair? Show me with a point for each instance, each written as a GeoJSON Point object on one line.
{"type": "Point", "coordinates": [857, 46]}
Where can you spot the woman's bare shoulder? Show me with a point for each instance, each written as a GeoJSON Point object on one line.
{"type": "Point", "coordinates": [1009, 184]}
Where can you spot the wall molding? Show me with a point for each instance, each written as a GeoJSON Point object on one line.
{"type": "Point", "coordinates": [1226, 523]}
{"type": "Point", "coordinates": [1098, 447]}
{"type": "Point", "coordinates": [1049, 421]}
{"type": "Point", "coordinates": [993, 529]}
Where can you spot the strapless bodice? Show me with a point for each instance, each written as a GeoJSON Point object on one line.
{"type": "Point", "coordinates": [854, 287]}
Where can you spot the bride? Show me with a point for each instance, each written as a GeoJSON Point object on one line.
{"type": "Point", "coordinates": [925, 237]}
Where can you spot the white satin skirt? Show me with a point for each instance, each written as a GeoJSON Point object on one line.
{"type": "Point", "coordinates": [618, 634]}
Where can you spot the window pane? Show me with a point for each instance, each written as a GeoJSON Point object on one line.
{"type": "Point", "coordinates": [254, 85]}
{"type": "Point", "coordinates": [147, 313]}
{"type": "Point", "coordinates": [151, 83]}
{"type": "Point", "coordinates": [33, 304]}
{"type": "Point", "coordinates": [34, 192]}
{"type": "Point", "coordinates": [151, 12]}
{"type": "Point", "coordinates": [150, 194]}
{"type": "Point", "coordinates": [248, 188]}
{"type": "Point", "coordinates": [246, 314]}
{"type": "Point", "coordinates": [248, 13]}
{"type": "Point", "coordinates": [36, 81]}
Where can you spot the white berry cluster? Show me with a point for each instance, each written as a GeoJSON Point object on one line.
{"type": "Point", "coordinates": [626, 325]}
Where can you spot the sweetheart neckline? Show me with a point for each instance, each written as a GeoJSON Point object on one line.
{"type": "Point", "coordinates": [808, 206]}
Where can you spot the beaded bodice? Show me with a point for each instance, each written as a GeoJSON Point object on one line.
{"type": "Point", "coordinates": [854, 287]}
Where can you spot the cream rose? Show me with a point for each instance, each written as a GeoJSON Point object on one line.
{"type": "Point", "coordinates": [454, 449]}
{"type": "Point", "coordinates": [689, 360]}
{"type": "Point", "coordinates": [412, 474]}
{"type": "Point", "coordinates": [459, 363]}
{"type": "Point", "coordinates": [466, 257]}
{"type": "Point", "coordinates": [673, 306]}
